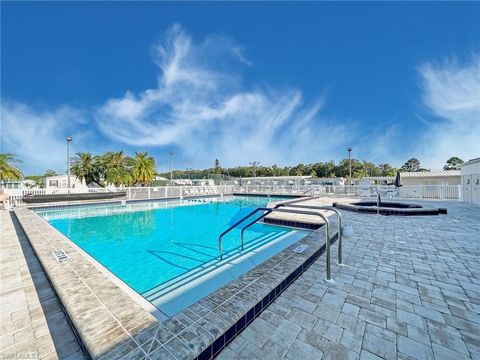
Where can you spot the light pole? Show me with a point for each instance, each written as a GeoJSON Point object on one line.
{"type": "Point", "coordinates": [171, 153]}
{"type": "Point", "coordinates": [350, 164]}
{"type": "Point", "coordinates": [254, 164]}
{"type": "Point", "coordinates": [69, 140]}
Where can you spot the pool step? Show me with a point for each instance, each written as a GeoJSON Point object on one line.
{"type": "Point", "coordinates": [162, 289]}
{"type": "Point", "coordinates": [192, 287]}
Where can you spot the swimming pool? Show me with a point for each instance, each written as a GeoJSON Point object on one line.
{"type": "Point", "coordinates": [151, 245]}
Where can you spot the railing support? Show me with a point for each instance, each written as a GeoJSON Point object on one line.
{"type": "Point", "coordinates": [327, 234]}
{"type": "Point", "coordinates": [268, 211]}
{"type": "Point", "coordinates": [327, 208]}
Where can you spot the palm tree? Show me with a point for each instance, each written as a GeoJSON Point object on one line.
{"type": "Point", "coordinates": [7, 168]}
{"type": "Point", "coordinates": [84, 167]}
{"type": "Point", "coordinates": [144, 168]}
{"type": "Point", "coordinates": [114, 168]}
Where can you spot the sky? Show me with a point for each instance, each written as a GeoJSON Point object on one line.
{"type": "Point", "coordinates": [275, 82]}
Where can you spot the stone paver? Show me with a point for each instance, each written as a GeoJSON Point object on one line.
{"type": "Point", "coordinates": [410, 289]}
{"type": "Point", "coordinates": [33, 325]}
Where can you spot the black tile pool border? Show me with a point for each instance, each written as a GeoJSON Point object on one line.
{"type": "Point", "coordinates": [289, 223]}
{"type": "Point", "coordinates": [219, 344]}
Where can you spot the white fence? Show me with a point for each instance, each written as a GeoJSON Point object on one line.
{"type": "Point", "coordinates": [306, 190]}
{"type": "Point", "coordinates": [132, 193]}
{"type": "Point", "coordinates": [162, 192]}
{"type": "Point", "coordinates": [440, 192]}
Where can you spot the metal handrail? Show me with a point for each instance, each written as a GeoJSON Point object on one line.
{"type": "Point", "coordinates": [327, 233]}
{"type": "Point", "coordinates": [261, 217]}
{"type": "Point", "coordinates": [251, 223]}
{"type": "Point", "coordinates": [328, 208]}
{"type": "Point", "coordinates": [220, 238]}
{"type": "Point", "coordinates": [306, 191]}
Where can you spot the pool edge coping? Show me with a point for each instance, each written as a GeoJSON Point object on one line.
{"type": "Point", "coordinates": [78, 284]}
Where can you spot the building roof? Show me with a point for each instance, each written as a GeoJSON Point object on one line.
{"type": "Point", "coordinates": [419, 174]}
{"type": "Point", "coordinates": [432, 173]}
{"type": "Point", "coordinates": [471, 161]}
{"type": "Point", "coordinates": [59, 177]}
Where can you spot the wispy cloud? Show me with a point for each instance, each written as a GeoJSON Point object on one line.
{"type": "Point", "coordinates": [451, 91]}
{"type": "Point", "coordinates": [37, 137]}
{"type": "Point", "coordinates": [202, 107]}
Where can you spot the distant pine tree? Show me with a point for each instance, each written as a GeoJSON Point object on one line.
{"type": "Point", "coordinates": [217, 167]}
{"type": "Point", "coordinates": [411, 165]}
{"type": "Point", "coordinates": [453, 163]}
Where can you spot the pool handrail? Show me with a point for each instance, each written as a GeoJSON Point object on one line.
{"type": "Point", "coordinates": [293, 211]}
{"type": "Point", "coordinates": [269, 210]}
{"type": "Point", "coordinates": [327, 208]}
{"type": "Point", "coordinates": [220, 238]}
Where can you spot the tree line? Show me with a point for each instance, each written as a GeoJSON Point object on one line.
{"type": "Point", "coordinates": [119, 169]}
{"type": "Point", "coordinates": [319, 169]}
{"type": "Point", "coordinates": [360, 168]}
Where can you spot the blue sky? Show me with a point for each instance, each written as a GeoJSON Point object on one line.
{"type": "Point", "coordinates": [273, 82]}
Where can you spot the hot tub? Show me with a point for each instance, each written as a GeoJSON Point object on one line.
{"type": "Point", "coordinates": [389, 208]}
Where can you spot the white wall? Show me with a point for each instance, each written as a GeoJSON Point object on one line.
{"type": "Point", "coordinates": [471, 182]}
{"type": "Point", "coordinates": [434, 180]}
{"type": "Point", "coordinates": [61, 181]}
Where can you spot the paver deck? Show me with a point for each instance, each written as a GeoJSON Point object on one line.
{"type": "Point", "coordinates": [410, 289]}
{"type": "Point", "coordinates": [33, 325]}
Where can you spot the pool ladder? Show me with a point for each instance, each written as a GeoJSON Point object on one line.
{"type": "Point", "coordinates": [379, 202]}
{"type": "Point", "coordinates": [277, 208]}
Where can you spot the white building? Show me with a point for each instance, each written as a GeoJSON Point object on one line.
{"type": "Point", "coordinates": [326, 181]}
{"type": "Point", "coordinates": [19, 184]}
{"type": "Point", "coordinates": [193, 182]}
{"type": "Point", "coordinates": [471, 181]}
{"type": "Point", "coordinates": [61, 182]}
{"type": "Point", "coordinates": [273, 180]}
{"type": "Point", "coordinates": [433, 177]}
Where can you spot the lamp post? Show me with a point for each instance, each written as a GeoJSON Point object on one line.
{"type": "Point", "coordinates": [350, 164]}
{"type": "Point", "coordinates": [171, 153]}
{"type": "Point", "coordinates": [69, 140]}
{"type": "Point", "coordinates": [254, 164]}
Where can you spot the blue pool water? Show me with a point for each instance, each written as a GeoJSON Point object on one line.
{"type": "Point", "coordinates": [147, 244]}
